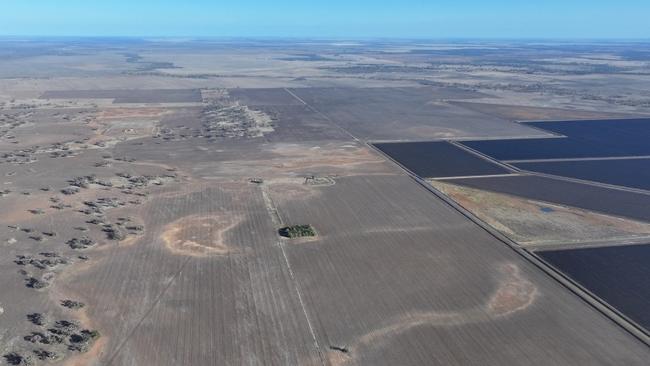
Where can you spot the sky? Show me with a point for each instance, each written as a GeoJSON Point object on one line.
{"type": "Point", "coordinates": [550, 19]}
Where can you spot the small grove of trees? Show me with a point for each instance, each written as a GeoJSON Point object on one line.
{"type": "Point", "coordinates": [297, 231]}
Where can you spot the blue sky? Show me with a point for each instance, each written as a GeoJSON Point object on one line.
{"type": "Point", "coordinates": [333, 18]}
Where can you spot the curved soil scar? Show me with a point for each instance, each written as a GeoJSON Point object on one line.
{"type": "Point", "coordinates": [200, 235]}
{"type": "Point", "coordinates": [513, 294]}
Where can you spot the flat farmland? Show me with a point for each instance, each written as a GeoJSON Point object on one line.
{"type": "Point", "coordinates": [439, 159]}
{"type": "Point", "coordinates": [206, 283]}
{"type": "Point", "coordinates": [409, 114]}
{"type": "Point", "coordinates": [264, 97]}
{"type": "Point", "coordinates": [382, 284]}
{"type": "Point", "coordinates": [300, 123]}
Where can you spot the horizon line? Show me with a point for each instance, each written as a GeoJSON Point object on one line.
{"type": "Point", "coordinates": [327, 38]}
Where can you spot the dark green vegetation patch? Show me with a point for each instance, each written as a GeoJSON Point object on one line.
{"type": "Point", "coordinates": [297, 231]}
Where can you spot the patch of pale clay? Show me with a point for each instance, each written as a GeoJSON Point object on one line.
{"type": "Point", "coordinates": [16, 211]}
{"type": "Point", "coordinates": [472, 206]}
{"type": "Point", "coordinates": [286, 190]}
{"type": "Point", "coordinates": [523, 220]}
{"type": "Point", "coordinates": [169, 168]}
{"type": "Point", "coordinates": [435, 132]}
{"type": "Point", "coordinates": [401, 324]}
{"type": "Point", "coordinates": [122, 113]}
{"type": "Point", "coordinates": [102, 124]}
{"type": "Point", "coordinates": [130, 240]}
{"type": "Point", "coordinates": [200, 236]}
{"type": "Point", "coordinates": [309, 360]}
{"type": "Point", "coordinates": [296, 156]}
{"type": "Point", "coordinates": [514, 293]}
{"type": "Point", "coordinates": [328, 161]}
{"type": "Point", "coordinates": [337, 358]}
{"type": "Point", "coordinates": [192, 187]}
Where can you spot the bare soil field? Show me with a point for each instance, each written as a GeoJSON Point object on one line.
{"type": "Point", "coordinates": [264, 97]}
{"type": "Point", "coordinates": [301, 123]}
{"type": "Point", "coordinates": [221, 295]}
{"type": "Point", "coordinates": [406, 113]}
{"type": "Point", "coordinates": [398, 267]}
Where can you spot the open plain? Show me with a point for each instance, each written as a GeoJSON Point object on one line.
{"type": "Point", "coordinates": [145, 185]}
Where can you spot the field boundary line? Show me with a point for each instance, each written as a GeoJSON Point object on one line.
{"type": "Point", "coordinates": [559, 160]}
{"type": "Point", "coordinates": [587, 183]}
{"type": "Point", "coordinates": [322, 115]}
{"type": "Point", "coordinates": [476, 176]}
{"type": "Point", "coordinates": [148, 312]}
{"type": "Point", "coordinates": [461, 146]}
{"type": "Point", "coordinates": [277, 219]}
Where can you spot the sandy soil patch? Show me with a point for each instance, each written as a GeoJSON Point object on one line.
{"type": "Point", "coordinates": [200, 236]}
{"type": "Point", "coordinates": [514, 293]}
{"type": "Point", "coordinates": [287, 189]}
{"type": "Point", "coordinates": [126, 113]}
{"type": "Point", "coordinates": [300, 161]}
{"type": "Point", "coordinates": [298, 157]}
{"type": "Point", "coordinates": [529, 222]}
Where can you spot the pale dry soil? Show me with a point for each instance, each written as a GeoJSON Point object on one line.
{"type": "Point", "coordinates": [531, 223]}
